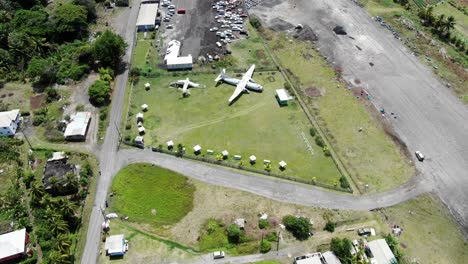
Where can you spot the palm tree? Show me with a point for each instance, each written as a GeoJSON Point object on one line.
{"type": "Point", "coordinates": [63, 243]}
{"type": "Point", "coordinates": [67, 208]}
{"type": "Point", "coordinates": [57, 257]}
{"type": "Point", "coordinates": [58, 225]}
{"type": "Point", "coordinates": [450, 24]}
{"type": "Point", "coordinates": [427, 15]}
{"type": "Point", "coordinates": [439, 23]}
{"type": "Point", "coordinates": [72, 182]}
{"type": "Point", "coordinates": [37, 192]}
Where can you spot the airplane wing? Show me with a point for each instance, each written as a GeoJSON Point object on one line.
{"type": "Point", "coordinates": [241, 85]}
{"type": "Point", "coordinates": [185, 87]}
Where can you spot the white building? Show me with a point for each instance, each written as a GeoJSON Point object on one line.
{"type": "Point", "coordinates": [382, 254]}
{"type": "Point", "coordinates": [313, 258]}
{"type": "Point", "coordinates": [9, 122]}
{"type": "Point", "coordinates": [116, 245]}
{"type": "Point", "coordinates": [13, 245]}
{"type": "Point", "coordinates": [282, 96]}
{"type": "Point", "coordinates": [78, 126]}
{"type": "Point", "coordinates": [147, 16]}
{"type": "Point", "coordinates": [173, 60]}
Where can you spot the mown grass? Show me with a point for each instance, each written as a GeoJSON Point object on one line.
{"type": "Point", "coordinates": [145, 54]}
{"type": "Point", "coordinates": [151, 195]}
{"type": "Point", "coordinates": [370, 156]}
{"type": "Point", "coordinates": [253, 125]}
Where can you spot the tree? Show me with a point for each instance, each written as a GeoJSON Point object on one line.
{"type": "Point", "coordinates": [57, 225]}
{"type": "Point", "coordinates": [263, 223]}
{"type": "Point", "coordinates": [427, 15]}
{"type": "Point", "coordinates": [37, 192]}
{"type": "Point", "coordinates": [330, 226]}
{"type": "Point", "coordinates": [449, 24]}
{"type": "Point", "coordinates": [394, 246]}
{"type": "Point", "coordinates": [42, 68]}
{"type": "Point", "coordinates": [99, 92]}
{"type": "Point", "coordinates": [90, 6]}
{"type": "Point", "coordinates": [57, 257]}
{"type": "Point", "coordinates": [298, 226]}
{"type": "Point", "coordinates": [63, 243]}
{"type": "Point", "coordinates": [265, 246]}
{"type": "Point", "coordinates": [255, 22]}
{"type": "Point", "coordinates": [70, 21]}
{"type": "Point", "coordinates": [108, 49]}
{"type": "Point", "coordinates": [233, 233]}
{"type": "Point", "coordinates": [344, 182]}
{"type": "Point", "coordinates": [342, 249]}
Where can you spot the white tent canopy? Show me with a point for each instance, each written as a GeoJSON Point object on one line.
{"type": "Point", "coordinates": [147, 85]}
{"type": "Point", "coordinates": [144, 107]}
{"type": "Point", "coordinates": [141, 129]}
{"type": "Point", "coordinates": [170, 143]}
{"type": "Point", "coordinates": [225, 153]}
{"type": "Point", "coordinates": [253, 158]}
{"type": "Point", "coordinates": [139, 116]}
{"type": "Point", "coordinates": [282, 164]}
{"type": "Point", "coordinates": [197, 148]}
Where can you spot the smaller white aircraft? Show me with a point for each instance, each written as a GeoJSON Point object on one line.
{"type": "Point", "coordinates": [185, 85]}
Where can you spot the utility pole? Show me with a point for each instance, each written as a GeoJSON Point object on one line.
{"type": "Point", "coordinates": [277, 243]}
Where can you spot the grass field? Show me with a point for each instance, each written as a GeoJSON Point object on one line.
{"type": "Point", "coordinates": [250, 51]}
{"type": "Point", "coordinates": [145, 54]}
{"type": "Point", "coordinates": [370, 156]}
{"type": "Point", "coordinates": [151, 195]}
{"type": "Point", "coordinates": [254, 125]}
{"type": "Point", "coordinates": [430, 235]}
{"type": "Point", "coordinates": [460, 18]}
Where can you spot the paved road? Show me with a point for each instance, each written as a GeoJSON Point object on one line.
{"type": "Point", "coordinates": [126, 28]}
{"type": "Point", "coordinates": [430, 117]}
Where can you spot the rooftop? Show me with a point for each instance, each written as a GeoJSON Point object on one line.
{"type": "Point", "coordinates": [180, 60]}
{"type": "Point", "coordinates": [8, 116]}
{"type": "Point", "coordinates": [115, 245]}
{"type": "Point", "coordinates": [12, 243]}
{"type": "Point", "coordinates": [147, 14]}
{"type": "Point", "coordinates": [78, 124]}
{"type": "Point", "coordinates": [283, 95]}
{"type": "Point", "coordinates": [381, 251]}
{"type": "Point", "coordinates": [57, 156]}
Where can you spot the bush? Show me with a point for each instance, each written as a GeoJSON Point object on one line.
{"type": "Point", "coordinates": [255, 22]}
{"type": "Point", "coordinates": [330, 226]}
{"type": "Point", "coordinates": [319, 141]}
{"type": "Point", "coordinates": [287, 86]}
{"type": "Point", "coordinates": [99, 92]}
{"type": "Point", "coordinates": [233, 233]}
{"type": "Point", "coordinates": [265, 246]}
{"type": "Point", "coordinates": [298, 226]}
{"type": "Point", "coordinates": [38, 120]}
{"type": "Point", "coordinates": [25, 113]}
{"type": "Point", "coordinates": [28, 179]}
{"type": "Point", "coordinates": [263, 223]}
{"type": "Point", "coordinates": [326, 151]}
{"type": "Point", "coordinates": [344, 182]}
{"type": "Point", "coordinates": [312, 132]}
{"type": "Point", "coordinates": [342, 249]}
{"type": "Point", "coordinates": [272, 237]}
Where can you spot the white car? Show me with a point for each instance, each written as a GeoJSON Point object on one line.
{"type": "Point", "coordinates": [419, 155]}
{"type": "Point", "coordinates": [169, 26]}
{"type": "Point", "coordinates": [218, 254]}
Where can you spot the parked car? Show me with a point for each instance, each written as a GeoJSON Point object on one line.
{"type": "Point", "coordinates": [364, 231]}
{"type": "Point", "coordinates": [218, 254]}
{"type": "Point", "coordinates": [419, 155]}
{"type": "Point", "coordinates": [169, 26]}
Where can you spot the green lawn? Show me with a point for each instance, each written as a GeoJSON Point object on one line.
{"type": "Point", "coordinates": [370, 156]}
{"type": "Point", "coordinates": [460, 18]}
{"type": "Point", "coordinates": [254, 125]}
{"type": "Point", "coordinates": [152, 195]}
{"type": "Point", "coordinates": [145, 54]}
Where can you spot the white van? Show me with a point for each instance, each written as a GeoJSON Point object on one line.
{"type": "Point", "coordinates": [218, 44]}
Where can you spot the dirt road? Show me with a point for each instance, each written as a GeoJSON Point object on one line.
{"type": "Point", "coordinates": [430, 118]}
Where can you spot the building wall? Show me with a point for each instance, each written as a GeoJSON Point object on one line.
{"type": "Point", "coordinates": [143, 28]}
{"type": "Point", "coordinates": [179, 66]}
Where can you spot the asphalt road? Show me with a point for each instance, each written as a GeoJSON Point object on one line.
{"type": "Point", "coordinates": [126, 28]}
{"type": "Point", "coordinates": [430, 117]}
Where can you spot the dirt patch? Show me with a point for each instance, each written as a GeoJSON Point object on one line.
{"type": "Point", "coordinates": [36, 101]}
{"type": "Point", "coordinates": [278, 24]}
{"type": "Point", "coordinates": [313, 92]}
{"type": "Point", "coordinates": [306, 33]}
{"type": "Point", "coordinates": [271, 79]}
{"type": "Point", "coordinates": [260, 54]}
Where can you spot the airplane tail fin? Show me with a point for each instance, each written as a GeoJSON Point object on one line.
{"type": "Point", "coordinates": [221, 75]}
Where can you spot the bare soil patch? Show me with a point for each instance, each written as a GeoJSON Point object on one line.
{"type": "Point", "coordinates": [306, 33]}
{"type": "Point", "coordinates": [260, 54]}
{"type": "Point", "coordinates": [36, 101]}
{"type": "Point", "coordinates": [313, 92]}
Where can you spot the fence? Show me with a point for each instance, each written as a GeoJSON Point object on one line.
{"type": "Point", "coordinates": [267, 173]}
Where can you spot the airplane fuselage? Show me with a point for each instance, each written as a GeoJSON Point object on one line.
{"type": "Point", "coordinates": [250, 85]}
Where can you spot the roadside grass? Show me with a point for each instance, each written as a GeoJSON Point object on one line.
{"type": "Point", "coordinates": [151, 195]}
{"type": "Point", "coordinates": [15, 96]}
{"type": "Point", "coordinates": [429, 233]}
{"type": "Point", "coordinates": [250, 51]}
{"type": "Point", "coordinates": [213, 237]}
{"type": "Point", "coordinates": [370, 156]}
{"type": "Point", "coordinates": [449, 70]}
{"type": "Point", "coordinates": [253, 125]}
{"type": "Point", "coordinates": [145, 54]}
{"type": "Point", "coordinates": [460, 18]}
{"type": "Point", "coordinates": [144, 248]}
{"type": "Point", "coordinates": [103, 123]}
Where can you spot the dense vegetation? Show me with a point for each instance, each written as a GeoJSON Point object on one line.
{"type": "Point", "coordinates": [298, 226]}
{"type": "Point", "coordinates": [52, 43]}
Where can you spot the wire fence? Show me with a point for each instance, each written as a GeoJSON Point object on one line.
{"type": "Point", "coordinates": [241, 167]}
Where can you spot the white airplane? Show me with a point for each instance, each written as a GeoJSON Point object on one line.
{"type": "Point", "coordinates": [243, 85]}
{"type": "Point", "coordinates": [186, 84]}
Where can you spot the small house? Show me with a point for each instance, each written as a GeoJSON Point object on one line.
{"type": "Point", "coordinates": [147, 86]}
{"type": "Point", "coordinates": [282, 164]}
{"type": "Point", "coordinates": [170, 144]}
{"type": "Point", "coordinates": [9, 122]}
{"type": "Point", "coordinates": [282, 96]}
{"type": "Point", "coordinates": [78, 127]}
{"type": "Point", "coordinates": [253, 159]}
{"type": "Point", "coordinates": [197, 149]}
{"type": "Point", "coordinates": [225, 153]}
{"type": "Point", "coordinates": [13, 246]}
{"type": "Point", "coordinates": [144, 107]}
{"type": "Point", "coordinates": [116, 246]}
{"type": "Point", "coordinates": [381, 252]}
{"type": "Point", "coordinates": [139, 141]}
{"type": "Point", "coordinates": [139, 117]}
{"type": "Point", "coordinates": [141, 130]}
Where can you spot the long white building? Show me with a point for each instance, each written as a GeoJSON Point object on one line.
{"type": "Point", "coordinates": [173, 60]}
{"type": "Point", "coordinates": [147, 16]}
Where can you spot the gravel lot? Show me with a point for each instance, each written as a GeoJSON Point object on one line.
{"type": "Point", "coordinates": [430, 118]}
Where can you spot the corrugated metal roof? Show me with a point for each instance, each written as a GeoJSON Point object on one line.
{"type": "Point", "coordinates": [147, 14]}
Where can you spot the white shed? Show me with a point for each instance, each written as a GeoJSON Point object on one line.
{"type": "Point", "coordinates": [170, 144]}
{"type": "Point", "coordinates": [139, 140]}
{"type": "Point", "coordinates": [225, 153]}
{"type": "Point", "coordinates": [252, 158]}
{"type": "Point", "coordinates": [141, 130]}
{"type": "Point", "coordinates": [147, 86]}
{"type": "Point", "coordinates": [139, 117]}
{"type": "Point", "coordinates": [144, 107]}
{"type": "Point", "coordinates": [282, 164]}
{"type": "Point", "coordinates": [197, 148]}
